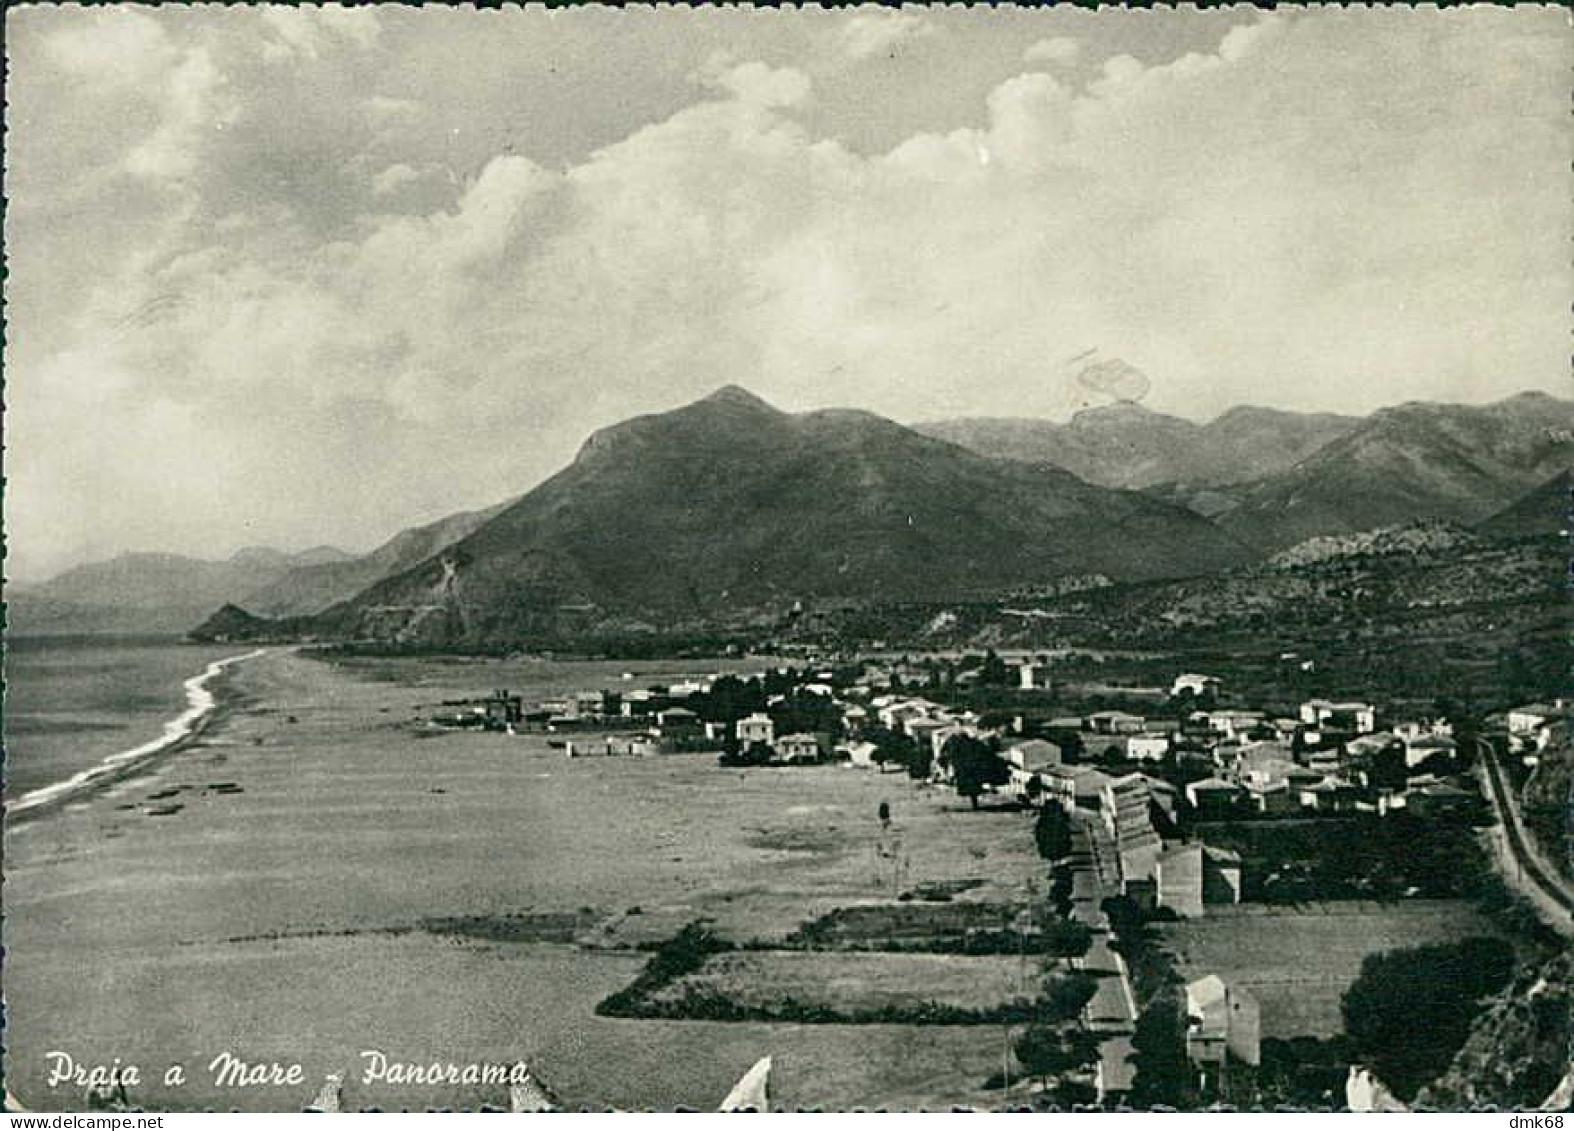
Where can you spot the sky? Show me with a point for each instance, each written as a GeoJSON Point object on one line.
{"type": "Point", "coordinates": [294, 277]}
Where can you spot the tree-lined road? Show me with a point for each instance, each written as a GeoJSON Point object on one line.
{"type": "Point", "coordinates": [1521, 862]}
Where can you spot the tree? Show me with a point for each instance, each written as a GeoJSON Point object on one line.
{"type": "Point", "coordinates": [1409, 1011]}
{"type": "Point", "coordinates": [1065, 995]}
{"type": "Point", "coordinates": [1034, 789]}
{"type": "Point", "coordinates": [1164, 1073]}
{"type": "Point", "coordinates": [890, 746]}
{"type": "Point", "coordinates": [1052, 831]}
{"type": "Point", "coordinates": [920, 760]}
{"type": "Point", "coordinates": [975, 766]}
{"type": "Point", "coordinates": [1045, 1051]}
{"type": "Point", "coordinates": [994, 672]}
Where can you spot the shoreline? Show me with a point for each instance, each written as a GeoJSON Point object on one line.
{"type": "Point", "coordinates": [204, 705]}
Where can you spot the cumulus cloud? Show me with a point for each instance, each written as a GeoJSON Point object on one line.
{"type": "Point", "coordinates": [121, 46]}
{"type": "Point", "coordinates": [868, 34]}
{"type": "Point", "coordinates": [754, 81]}
{"type": "Point", "coordinates": [394, 178]}
{"type": "Point", "coordinates": [1298, 216]}
{"type": "Point", "coordinates": [194, 104]}
{"type": "Point", "coordinates": [1057, 49]}
{"type": "Point", "coordinates": [305, 33]}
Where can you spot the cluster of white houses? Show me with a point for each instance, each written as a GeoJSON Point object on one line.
{"type": "Point", "coordinates": [1323, 759]}
{"type": "Point", "coordinates": [1239, 761]}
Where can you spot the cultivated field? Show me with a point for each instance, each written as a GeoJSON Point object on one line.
{"type": "Point", "coordinates": [1299, 961]}
{"type": "Point", "coordinates": [854, 982]}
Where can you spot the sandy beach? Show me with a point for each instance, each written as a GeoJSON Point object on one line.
{"type": "Point", "coordinates": [269, 891]}
{"type": "Point", "coordinates": [202, 706]}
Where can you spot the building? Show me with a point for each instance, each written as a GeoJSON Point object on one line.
{"type": "Point", "coordinates": [596, 703]}
{"type": "Point", "coordinates": [1331, 795]}
{"type": "Point", "coordinates": [860, 754]}
{"type": "Point", "coordinates": [1075, 787]}
{"type": "Point", "coordinates": [1214, 799]}
{"type": "Point", "coordinates": [1526, 720]}
{"type": "Point", "coordinates": [1033, 677]}
{"type": "Point", "coordinates": [1223, 1021]}
{"type": "Point", "coordinates": [1195, 683]}
{"type": "Point", "coordinates": [1126, 807]}
{"type": "Point", "coordinates": [1177, 879]}
{"type": "Point", "coordinates": [1441, 799]}
{"type": "Point", "coordinates": [611, 746]}
{"type": "Point", "coordinates": [1272, 797]}
{"type": "Point", "coordinates": [923, 730]}
{"type": "Point", "coordinates": [1028, 760]}
{"type": "Point", "coordinates": [1032, 755]}
{"type": "Point", "coordinates": [1115, 722]}
{"type": "Point", "coordinates": [637, 704]}
{"type": "Point", "coordinates": [1235, 724]}
{"type": "Point", "coordinates": [1360, 718]}
{"type": "Point", "coordinates": [1418, 750]}
{"type": "Point", "coordinates": [947, 731]}
{"type": "Point", "coordinates": [1162, 795]}
{"type": "Point", "coordinates": [1370, 745]}
{"type": "Point", "coordinates": [757, 727]}
{"type": "Point", "coordinates": [1149, 746]}
{"type": "Point", "coordinates": [678, 722]}
{"type": "Point", "coordinates": [1263, 760]}
{"type": "Point", "coordinates": [802, 748]}
{"type": "Point", "coordinates": [1221, 875]}
{"type": "Point", "coordinates": [896, 715]}
{"type": "Point", "coordinates": [503, 710]}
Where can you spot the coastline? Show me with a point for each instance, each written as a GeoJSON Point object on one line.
{"type": "Point", "coordinates": [205, 703]}
{"type": "Point", "coordinates": [332, 897]}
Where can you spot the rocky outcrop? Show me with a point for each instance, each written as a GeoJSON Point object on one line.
{"type": "Point", "coordinates": [1518, 1052]}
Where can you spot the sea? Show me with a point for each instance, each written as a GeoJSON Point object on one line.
{"type": "Point", "coordinates": [73, 703]}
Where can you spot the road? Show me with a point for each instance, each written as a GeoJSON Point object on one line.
{"type": "Point", "coordinates": [1521, 862]}
{"type": "Point", "coordinates": [1112, 1014]}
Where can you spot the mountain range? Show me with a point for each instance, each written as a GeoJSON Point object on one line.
{"type": "Point", "coordinates": [728, 510]}
{"type": "Point", "coordinates": [169, 593]}
{"type": "Point", "coordinates": [148, 592]}
{"type": "Point", "coordinates": [1274, 479]}
{"type": "Point", "coordinates": [1130, 446]}
{"type": "Point", "coordinates": [1454, 462]}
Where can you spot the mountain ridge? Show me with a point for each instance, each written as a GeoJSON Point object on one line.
{"type": "Point", "coordinates": [728, 507]}
{"type": "Point", "coordinates": [1130, 446]}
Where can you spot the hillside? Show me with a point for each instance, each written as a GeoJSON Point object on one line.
{"type": "Point", "coordinates": [1543, 512]}
{"type": "Point", "coordinates": [1126, 445]}
{"type": "Point", "coordinates": [148, 593]}
{"type": "Point", "coordinates": [1518, 1052]}
{"type": "Point", "coordinates": [310, 588]}
{"type": "Point", "coordinates": [1456, 462]}
{"type": "Point", "coordinates": [1548, 802]}
{"type": "Point", "coordinates": [728, 509]}
{"type": "Point", "coordinates": [1429, 537]}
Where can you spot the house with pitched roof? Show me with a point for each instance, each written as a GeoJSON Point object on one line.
{"type": "Point", "coordinates": [1223, 1021]}
{"type": "Point", "coordinates": [1214, 798]}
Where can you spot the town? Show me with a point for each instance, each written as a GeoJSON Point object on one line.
{"type": "Point", "coordinates": [1192, 799]}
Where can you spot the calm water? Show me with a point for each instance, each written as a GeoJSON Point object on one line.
{"type": "Point", "coordinates": [72, 701]}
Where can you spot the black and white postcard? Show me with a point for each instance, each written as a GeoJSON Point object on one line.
{"type": "Point", "coordinates": [845, 559]}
